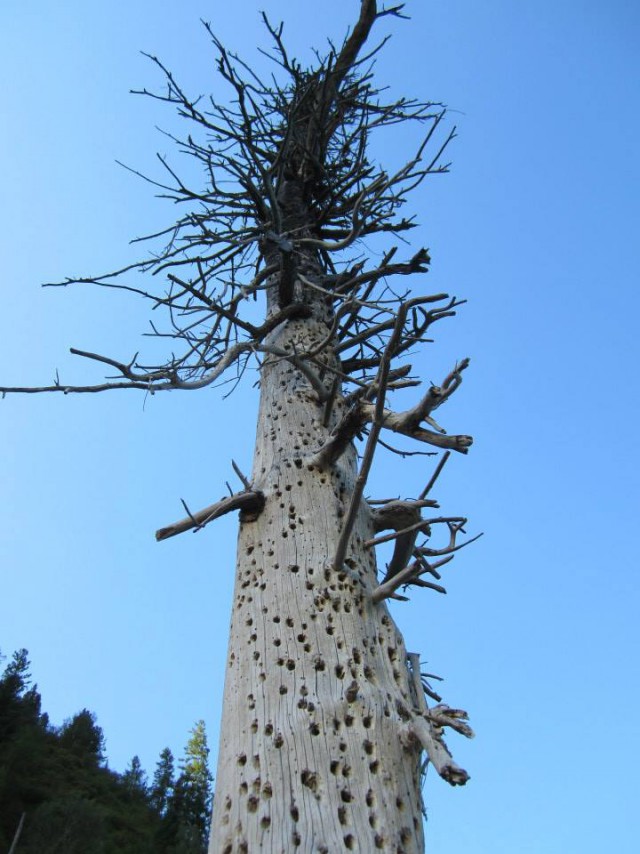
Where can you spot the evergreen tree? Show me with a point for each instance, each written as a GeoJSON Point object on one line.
{"type": "Point", "coordinates": [70, 824]}
{"type": "Point", "coordinates": [23, 744]}
{"type": "Point", "coordinates": [72, 803]}
{"type": "Point", "coordinates": [186, 822]}
{"type": "Point", "coordinates": [83, 737]}
{"type": "Point", "coordinates": [16, 674]}
{"type": "Point", "coordinates": [19, 701]}
{"type": "Point", "coordinates": [163, 781]}
{"type": "Point", "coordinates": [56, 778]}
{"type": "Point", "coordinates": [197, 780]}
{"type": "Point", "coordinates": [135, 778]}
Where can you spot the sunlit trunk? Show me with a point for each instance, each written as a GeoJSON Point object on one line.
{"type": "Point", "coordinates": [317, 687]}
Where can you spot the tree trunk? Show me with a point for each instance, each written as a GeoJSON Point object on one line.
{"type": "Point", "coordinates": [315, 753]}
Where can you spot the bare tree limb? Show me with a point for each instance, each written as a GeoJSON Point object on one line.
{"type": "Point", "coordinates": [397, 514]}
{"type": "Point", "coordinates": [370, 447]}
{"type": "Point", "coordinates": [427, 728]}
{"type": "Point", "coordinates": [435, 475]}
{"type": "Point", "coordinates": [421, 524]}
{"type": "Point", "coordinates": [397, 422]}
{"type": "Point", "coordinates": [249, 501]}
{"type": "Point", "coordinates": [353, 45]}
{"type": "Point", "coordinates": [244, 480]}
{"type": "Point", "coordinates": [402, 517]}
{"type": "Point", "coordinates": [409, 575]}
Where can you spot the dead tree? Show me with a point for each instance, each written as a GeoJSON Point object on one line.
{"type": "Point", "coordinates": [327, 720]}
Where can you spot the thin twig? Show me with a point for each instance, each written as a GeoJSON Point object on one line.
{"type": "Point", "coordinates": [245, 480]}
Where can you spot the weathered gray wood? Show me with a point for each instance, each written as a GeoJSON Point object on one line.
{"type": "Point", "coordinates": [318, 696]}
{"type": "Point", "coordinates": [249, 501]}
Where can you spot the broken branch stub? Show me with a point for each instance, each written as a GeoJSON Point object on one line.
{"type": "Point", "coordinates": [249, 502]}
{"type": "Point", "coordinates": [427, 728]}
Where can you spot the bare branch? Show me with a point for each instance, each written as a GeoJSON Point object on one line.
{"type": "Point", "coordinates": [243, 479]}
{"type": "Point", "coordinates": [354, 44]}
{"type": "Point", "coordinates": [397, 514]}
{"type": "Point", "coordinates": [370, 448]}
{"type": "Point", "coordinates": [249, 501]}
{"type": "Point", "coordinates": [428, 729]}
{"type": "Point", "coordinates": [421, 524]}
{"type": "Point", "coordinates": [409, 575]}
{"type": "Point", "coordinates": [435, 475]}
{"type": "Point", "coordinates": [402, 517]}
{"type": "Point", "coordinates": [349, 426]}
{"type": "Point", "coordinates": [399, 423]}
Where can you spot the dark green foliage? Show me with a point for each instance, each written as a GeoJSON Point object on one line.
{"type": "Point", "coordinates": [187, 811]}
{"type": "Point", "coordinates": [163, 782]}
{"type": "Point", "coordinates": [83, 737]}
{"type": "Point", "coordinates": [15, 683]}
{"type": "Point", "coordinates": [195, 782]}
{"type": "Point", "coordinates": [68, 825]}
{"type": "Point", "coordinates": [183, 804]}
{"type": "Point", "coordinates": [135, 779]}
{"type": "Point", "coordinates": [73, 803]}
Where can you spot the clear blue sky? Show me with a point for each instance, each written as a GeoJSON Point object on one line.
{"type": "Point", "coordinates": [537, 225]}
